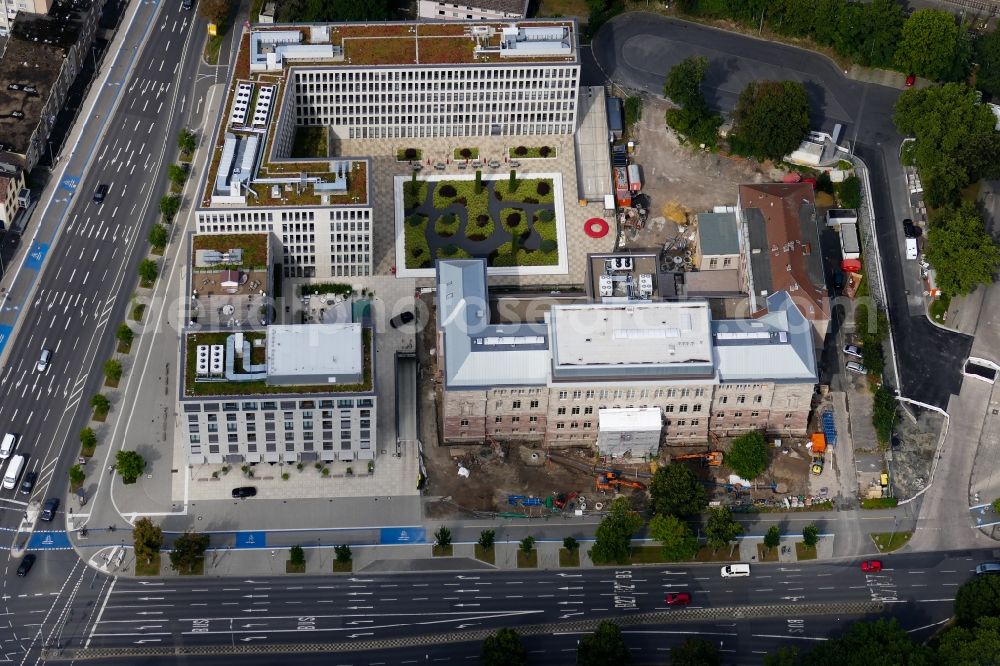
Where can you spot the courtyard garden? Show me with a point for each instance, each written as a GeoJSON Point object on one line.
{"type": "Point", "coordinates": [510, 222]}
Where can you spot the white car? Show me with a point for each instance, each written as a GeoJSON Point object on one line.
{"type": "Point", "coordinates": [852, 350]}
{"type": "Point", "coordinates": [43, 360]}
{"type": "Point", "coordinates": [857, 367]}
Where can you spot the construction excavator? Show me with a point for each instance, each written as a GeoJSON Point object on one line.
{"type": "Point", "coordinates": [613, 482]}
{"type": "Point", "coordinates": [713, 458]}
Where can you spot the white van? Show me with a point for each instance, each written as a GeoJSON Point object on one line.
{"type": "Point", "coordinates": [7, 446]}
{"type": "Point", "coordinates": [14, 469]}
{"type": "Point", "coordinates": [736, 571]}
{"type": "Point", "coordinates": [911, 248]}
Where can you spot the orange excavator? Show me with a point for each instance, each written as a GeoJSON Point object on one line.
{"type": "Point", "coordinates": [713, 458]}
{"type": "Point", "coordinates": [613, 482]}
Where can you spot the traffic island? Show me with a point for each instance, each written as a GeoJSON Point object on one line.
{"type": "Point", "coordinates": [569, 558]}
{"type": "Point", "coordinates": [886, 542]}
{"type": "Point", "coordinates": [487, 555]}
{"type": "Point", "coordinates": [804, 552]}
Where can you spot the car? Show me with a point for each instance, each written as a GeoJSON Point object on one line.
{"type": "Point", "coordinates": [43, 360]}
{"type": "Point", "coordinates": [244, 492]}
{"type": "Point", "coordinates": [857, 367]}
{"type": "Point", "coordinates": [853, 350]}
{"type": "Point", "coordinates": [25, 566]}
{"type": "Point", "coordinates": [100, 193]}
{"type": "Point", "coordinates": [910, 80]}
{"type": "Point", "coordinates": [401, 319]}
{"type": "Point", "coordinates": [988, 568]}
{"type": "Point", "coordinates": [911, 230]}
{"type": "Point", "coordinates": [28, 484]}
{"type": "Point", "coordinates": [187, 4]}
{"type": "Point", "coordinates": [873, 566]}
{"type": "Point", "coordinates": [49, 509]}
{"type": "Point", "coordinates": [838, 280]}
{"type": "Point", "coordinates": [678, 599]}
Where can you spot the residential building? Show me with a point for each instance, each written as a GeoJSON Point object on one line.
{"type": "Point", "coordinates": [781, 250]}
{"type": "Point", "coordinates": [611, 362]}
{"type": "Point", "coordinates": [9, 10]}
{"type": "Point", "coordinates": [472, 10]}
{"type": "Point", "coordinates": [13, 194]}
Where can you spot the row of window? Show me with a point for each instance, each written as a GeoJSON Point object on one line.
{"type": "Point", "coordinates": [271, 447]}
{"type": "Point", "coordinates": [480, 129]}
{"type": "Point", "coordinates": [272, 405]}
{"type": "Point", "coordinates": [628, 394]}
{"type": "Point", "coordinates": [429, 74]}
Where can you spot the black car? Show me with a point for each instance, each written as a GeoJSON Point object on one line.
{"type": "Point", "coordinates": [25, 566]}
{"type": "Point", "coordinates": [49, 509]}
{"type": "Point", "coordinates": [102, 191]}
{"type": "Point", "coordinates": [401, 319]}
{"type": "Point", "coordinates": [244, 491]}
{"type": "Point", "coordinates": [910, 230]}
{"type": "Point", "coordinates": [28, 484]}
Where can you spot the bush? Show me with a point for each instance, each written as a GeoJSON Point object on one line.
{"type": "Point", "coordinates": [148, 270]}
{"type": "Point", "coordinates": [548, 245]}
{"type": "Point", "coordinates": [443, 537]}
{"type": "Point", "coordinates": [187, 141]}
{"type": "Point", "coordinates": [810, 535]}
{"type": "Point", "coordinates": [543, 188]}
{"type": "Point", "coordinates": [296, 555]}
{"type": "Point", "coordinates": [850, 192]}
{"type": "Point", "coordinates": [158, 236]}
{"type": "Point", "coordinates": [129, 465]}
{"type": "Point", "coordinates": [411, 154]}
{"type": "Point", "coordinates": [113, 369]}
{"type": "Point", "coordinates": [513, 219]}
{"type": "Point", "coordinates": [88, 439]}
{"type": "Point", "coordinates": [521, 151]}
{"type": "Point", "coordinates": [748, 456]}
{"type": "Point", "coordinates": [125, 334]}
{"type": "Point", "coordinates": [544, 151]}
{"type": "Point", "coordinates": [100, 403]}
{"type": "Point", "coordinates": [447, 190]}
{"type": "Point", "coordinates": [177, 174]}
{"type": "Point", "coordinates": [169, 205]}
{"type": "Point", "coordinates": [342, 553]}
{"type": "Point", "coordinates": [465, 153]}
{"type": "Point", "coordinates": [76, 476]}
{"type": "Point", "coordinates": [884, 414]}
{"type": "Point", "coordinates": [823, 183]}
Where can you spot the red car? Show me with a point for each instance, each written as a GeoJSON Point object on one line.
{"type": "Point", "coordinates": [872, 565]}
{"type": "Point", "coordinates": [678, 599]}
{"type": "Point", "coordinates": [910, 80]}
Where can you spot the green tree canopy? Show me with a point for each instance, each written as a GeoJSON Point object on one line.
{"type": "Point", "coordinates": [487, 538]}
{"type": "Point", "coordinates": [771, 118]}
{"type": "Point", "coordinates": [695, 652]}
{"type": "Point", "coordinates": [748, 456]}
{"type": "Point", "coordinates": [722, 528]}
{"type": "Point", "coordinates": [186, 140]}
{"type": "Point", "coordinates": [976, 646]}
{"type": "Point", "coordinates": [158, 236]}
{"type": "Point", "coordinates": [296, 555]}
{"type": "Point", "coordinates": [884, 19]}
{"type": "Point", "coordinates": [979, 597]}
{"type": "Point", "coordinates": [443, 537]}
{"type": "Point", "coordinates": [865, 643]}
{"type": "Point", "coordinates": [113, 369]}
{"type": "Point", "coordinates": [603, 647]}
{"type": "Point", "coordinates": [850, 192]}
{"type": "Point", "coordinates": [88, 439]}
{"type": "Point", "coordinates": [312, 11]}
{"type": "Point", "coordinates": [148, 270]}
{"type": "Point", "coordinates": [188, 551]}
{"type": "Point", "coordinates": [342, 553]}
{"type": "Point", "coordinates": [884, 414]}
{"type": "Point", "coordinates": [129, 464]}
{"type": "Point", "coordinates": [932, 45]}
{"type": "Point", "coordinates": [124, 334]}
{"type": "Point", "coordinates": [675, 490]}
{"type": "Point", "coordinates": [961, 251]}
{"type": "Point", "coordinates": [614, 534]}
{"type": "Point", "coordinates": [679, 542]}
{"type": "Point", "coordinates": [100, 402]}
{"type": "Point", "coordinates": [169, 205]}
{"type": "Point", "coordinates": [772, 538]}
{"type": "Point", "coordinates": [810, 535]}
{"type": "Point", "coordinates": [148, 538]}
{"type": "Point", "coordinates": [987, 56]}
{"type": "Point", "coordinates": [683, 85]}
{"type": "Point", "coordinates": [503, 648]}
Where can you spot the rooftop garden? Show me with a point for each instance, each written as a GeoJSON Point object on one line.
{"type": "Point", "coordinates": [532, 152]}
{"type": "Point", "coordinates": [310, 141]}
{"type": "Point", "coordinates": [510, 222]}
{"type": "Point", "coordinates": [226, 388]}
{"type": "Point", "coordinates": [357, 188]}
{"type": "Point", "coordinates": [254, 248]}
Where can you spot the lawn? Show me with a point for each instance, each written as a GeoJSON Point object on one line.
{"type": "Point", "coordinates": [442, 551]}
{"type": "Point", "coordinates": [447, 225]}
{"type": "Point", "coordinates": [488, 555]}
{"type": "Point", "coordinates": [418, 252]}
{"type": "Point", "coordinates": [343, 567]}
{"type": "Point", "coordinates": [569, 558]}
{"type": "Point", "coordinates": [212, 48]}
{"type": "Point", "coordinates": [138, 311]}
{"type": "Point", "coordinates": [466, 153]}
{"type": "Point", "coordinates": [559, 8]}
{"type": "Point", "coordinates": [526, 152]}
{"type": "Point", "coordinates": [939, 308]}
{"type": "Point", "coordinates": [526, 190]}
{"type": "Point", "coordinates": [527, 560]}
{"type": "Point", "coordinates": [151, 569]}
{"type": "Point", "coordinates": [291, 567]}
{"type": "Point", "coordinates": [886, 542]}
{"type": "Point", "coordinates": [765, 554]}
{"type": "Point", "coordinates": [879, 503]}
{"type": "Point", "coordinates": [804, 552]}
{"type": "Point", "coordinates": [409, 154]}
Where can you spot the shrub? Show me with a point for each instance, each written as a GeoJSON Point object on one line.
{"type": "Point", "coordinates": [543, 188]}
{"type": "Point", "coordinates": [449, 249]}
{"type": "Point", "coordinates": [411, 153]}
{"type": "Point", "coordinates": [548, 245]}
{"type": "Point", "coordinates": [296, 555]}
{"type": "Point", "coordinates": [513, 219]}
{"type": "Point", "coordinates": [544, 151]}
{"type": "Point", "coordinates": [465, 153]}
{"type": "Point", "coordinates": [447, 190]}
{"type": "Point", "coordinates": [545, 215]}
{"type": "Point", "coordinates": [521, 151]}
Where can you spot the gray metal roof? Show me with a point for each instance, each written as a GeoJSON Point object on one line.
{"type": "Point", "coordinates": [315, 354]}
{"type": "Point", "coordinates": [718, 233]}
{"type": "Point", "coordinates": [593, 159]}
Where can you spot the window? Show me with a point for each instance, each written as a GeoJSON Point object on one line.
{"type": "Point", "coordinates": [575, 410]}
{"type": "Point", "coordinates": [464, 422]}
{"type": "Point", "coordinates": [668, 409]}
{"type": "Point", "coordinates": [738, 414]}
{"type": "Point", "coordinates": [741, 399]}
{"type": "Point", "coordinates": [683, 408]}
{"type": "Point", "coordinates": [696, 408]}
{"type": "Point", "coordinates": [577, 395]}
{"type": "Point", "coordinates": [533, 419]}
{"type": "Point", "coordinates": [515, 419]}
{"type": "Point", "coordinates": [588, 410]}
{"type": "Point", "coordinates": [574, 425]}
{"type": "Point", "coordinates": [533, 404]}
{"type": "Point", "coordinates": [516, 404]}
{"type": "Point", "coordinates": [694, 422]}
{"type": "Point", "coordinates": [788, 416]}
{"type": "Point", "coordinates": [563, 395]}
{"type": "Point", "coordinates": [699, 393]}
{"type": "Point", "coordinates": [498, 419]}
{"type": "Point", "coordinates": [561, 411]}
{"type": "Point", "coordinates": [560, 426]}
{"type": "Point", "coordinates": [720, 415]}
{"type": "Point", "coordinates": [713, 263]}
{"type": "Point", "coordinates": [723, 399]}
{"type": "Point", "coordinates": [232, 438]}
{"type": "Point", "coordinates": [681, 422]}
{"type": "Point", "coordinates": [755, 413]}
{"type": "Point", "coordinates": [727, 262]}
{"type": "Point", "coordinates": [590, 395]}
{"type": "Point", "coordinates": [586, 424]}
{"type": "Point", "coordinates": [757, 399]}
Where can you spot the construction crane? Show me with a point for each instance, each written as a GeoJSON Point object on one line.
{"type": "Point", "coordinates": [613, 481]}
{"type": "Point", "coordinates": [713, 458]}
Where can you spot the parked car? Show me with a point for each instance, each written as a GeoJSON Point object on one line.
{"type": "Point", "coordinates": [911, 230]}
{"type": "Point", "coordinates": [838, 280]}
{"type": "Point", "coordinates": [852, 350]}
{"type": "Point", "coordinates": [910, 80]}
{"type": "Point", "coordinates": [857, 367]}
{"type": "Point", "coordinates": [678, 599]}
{"type": "Point", "coordinates": [28, 484]}
{"type": "Point", "coordinates": [401, 319]}
{"type": "Point", "coordinates": [49, 509]}
{"type": "Point", "coordinates": [25, 566]}
{"type": "Point", "coordinates": [873, 566]}
{"type": "Point", "coordinates": [244, 491]}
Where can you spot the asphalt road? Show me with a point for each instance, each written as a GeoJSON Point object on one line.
{"type": "Point", "coordinates": [638, 49]}
{"type": "Point", "coordinates": [350, 615]}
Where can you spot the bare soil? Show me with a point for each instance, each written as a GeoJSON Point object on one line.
{"type": "Point", "coordinates": [910, 464]}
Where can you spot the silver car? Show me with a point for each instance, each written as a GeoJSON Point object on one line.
{"type": "Point", "coordinates": [43, 360]}
{"type": "Point", "coordinates": [852, 350]}
{"type": "Point", "coordinates": [857, 367]}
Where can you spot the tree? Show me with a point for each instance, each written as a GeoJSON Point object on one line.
{"type": "Point", "coordinates": [884, 414]}
{"type": "Point", "coordinates": [695, 652]}
{"type": "Point", "coordinates": [810, 535]}
{"type": "Point", "coordinates": [512, 184]}
{"type": "Point", "coordinates": [675, 490]}
{"type": "Point", "coordinates": [932, 45]}
{"type": "Point", "coordinates": [188, 552]}
{"type": "Point", "coordinates": [129, 464]}
{"type": "Point", "coordinates": [324, 11]}
{"type": "Point", "coordinates": [296, 556]}
{"type": "Point", "coordinates": [823, 182]}
{"type": "Point", "coordinates": [679, 542]}
{"type": "Point", "coordinates": [850, 192]}
{"type": "Point", "coordinates": [342, 553]}
{"type": "Point", "coordinates": [772, 538]}
{"type": "Point", "coordinates": [479, 180]}
{"type": "Point", "coordinates": [987, 56]}
{"type": "Point", "coordinates": [215, 11]}
{"type": "Point", "coordinates": [113, 369]}
{"type": "Point", "coordinates": [177, 174]}
{"type": "Point", "coordinates": [693, 120]}
{"type": "Point", "coordinates": [77, 475]}
{"type": "Point", "coordinates": [963, 254]}
{"type": "Point", "coordinates": [748, 456]}
{"type": "Point", "coordinates": [443, 537]}
{"type": "Point", "coordinates": [527, 545]}
{"type": "Point", "coordinates": [88, 439]}
{"type": "Point", "coordinates": [100, 403]}
{"type": "Point", "coordinates": [169, 205]}
{"type": "Point", "coordinates": [786, 656]}
{"type": "Point", "coordinates": [722, 527]}
{"type": "Point", "coordinates": [486, 539]}
{"type": "Point", "coordinates": [771, 118]}
{"type": "Point", "coordinates": [124, 334]}
{"type": "Point", "coordinates": [880, 642]}
{"type": "Point", "coordinates": [979, 597]}
{"type": "Point", "coordinates": [614, 534]}
{"type": "Point", "coordinates": [187, 141]}
{"type": "Point", "coordinates": [571, 544]}
{"type": "Point", "coordinates": [148, 539]}
{"type": "Point", "coordinates": [158, 236]}
{"type": "Point", "coordinates": [603, 647]}
{"type": "Point", "coordinates": [884, 22]}
{"type": "Point", "coordinates": [503, 648]}
{"type": "Point", "coordinates": [148, 270]}
{"type": "Point", "coordinates": [978, 646]}
{"type": "Point", "coordinates": [873, 357]}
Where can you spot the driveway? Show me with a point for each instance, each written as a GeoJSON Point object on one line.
{"type": "Point", "coordinates": [637, 49]}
